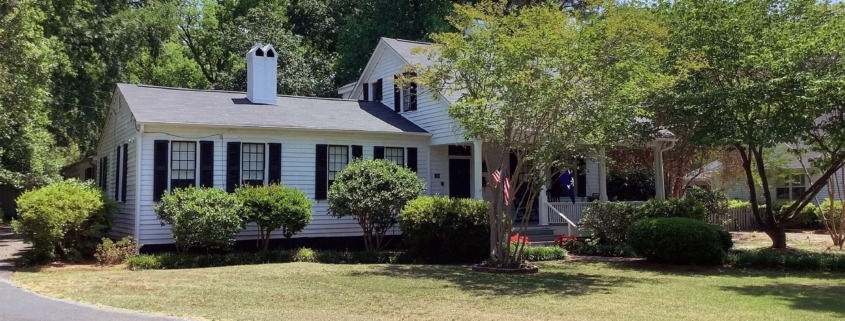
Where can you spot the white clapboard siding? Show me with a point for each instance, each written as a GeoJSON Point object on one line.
{"type": "Point", "coordinates": [298, 166]}
{"type": "Point", "coordinates": [119, 128]}
{"type": "Point", "coordinates": [431, 114]}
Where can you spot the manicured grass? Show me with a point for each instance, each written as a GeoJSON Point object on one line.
{"type": "Point", "coordinates": [808, 241]}
{"type": "Point", "coordinates": [563, 290]}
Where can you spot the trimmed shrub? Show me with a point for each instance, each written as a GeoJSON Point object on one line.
{"type": "Point", "coordinates": [608, 222]}
{"type": "Point", "coordinates": [591, 247]}
{"type": "Point", "coordinates": [440, 229]}
{"type": "Point", "coordinates": [738, 204]}
{"type": "Point", "coordinates": [274, 207]}
{"type": "Point", "coordinates": [65, 219]}
{"type": "Point", "coordinates": [678, 240]}
{"type": "Point", "coordinates": [113, 253]}
{"type": "Point", "coordinates": [203, 218]}
{"type": "Point", "coordinates": [166, 261]}
{"type": "Point", "coordinates": [687, 208]}
{"type": "Point", "coordinates": [715, 201]}
{"type": "Point", "coordinates": [544, 253]}
{"type": "Point", "coordinates": [787, 260]}
{"type": "Point", "coordinates": [806, 219]}
{"type": "Point", "coordinates": [373, 192]}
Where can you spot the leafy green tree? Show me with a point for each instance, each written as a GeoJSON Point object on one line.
{"type": "Point", "coordinates": [541, 82]}
{"type": "Point", "coordinates": [28, 152]}
{"type": "Point", "coordinates": [373, 192]}
{"type": "Point", "coordinates": [274, 207]}
{"type": "Point", "coordinates": [757, 76]}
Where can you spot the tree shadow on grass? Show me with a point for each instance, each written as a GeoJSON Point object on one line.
{"type": "Point", "coordinates": [547, 281]}
{"type": "Point", "coordinates": [698, 270]}
{"type": "Point", "coordinates": [821, 298]}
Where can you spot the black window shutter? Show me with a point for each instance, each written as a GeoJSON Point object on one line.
{"type": "Point", "coordinates": [105, 174]}
{"type": "Point", "coordinates": [123, 179]}
{"type": "Point", "coordinates": [379, 95]}
{"type": "Point", "coordinates": [412, 158]}
{"type": "Point", "coordinates": [159, 168]}
{"type": "Point", "coordinates": [274, 171]}
{"type": "Point", "coordinates": [233, 166]}
{"type": "Point", "coordinates": [206, 163]}
{"type": "Point", "coordinates": [357, 151]}
{"type": "Point", "coordinates": [413, 103]}
{"type": "Point", "coordinates": [117, 173]}
{"type": "Point", "coordinates": [101, 177]}
{"type": "Point", "coordinates": [321, 178]}
{"type": "Point", "coordinates": [581, 180]}
{"type": "Point", "coordinates": [378, 152]}
{"type": "Point", "coordinates": [366, 91]}
{"type": "Point", "coordinates": [397, 95]}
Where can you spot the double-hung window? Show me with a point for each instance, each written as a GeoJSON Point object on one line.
{"type": "Point", "coordinates": [252, 167]}
{"type": "Point", "coordinates": [338, 159]}
{"type": "Point", "coordinates": [183, 164]}
{"type": "Point", "coordinates": [395, 154]}
{"type": "Point", "coordinates": [792, 187]}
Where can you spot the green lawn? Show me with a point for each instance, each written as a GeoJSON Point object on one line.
{"type": "Point", "coordinates": [561, 291]}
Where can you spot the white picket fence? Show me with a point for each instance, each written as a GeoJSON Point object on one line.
{"type": "Point", "coordinates": [737, 219]}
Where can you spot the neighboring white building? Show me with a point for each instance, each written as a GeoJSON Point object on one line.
{"type": "Point", "coordinates": [157, 138]}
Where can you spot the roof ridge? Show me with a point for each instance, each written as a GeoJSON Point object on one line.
{"type": "Point", "coordinates": [234, 92]}
{"type": "Point", "coordinates": [412, 41]}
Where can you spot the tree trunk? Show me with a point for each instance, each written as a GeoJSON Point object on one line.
{"type": "Point", "coordinates": [778, 236]}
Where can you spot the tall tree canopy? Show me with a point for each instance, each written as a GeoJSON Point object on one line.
{"type": "Point", "coordinates": [758, 75]}
{"type": "Point", "coordinates": [541, 82]}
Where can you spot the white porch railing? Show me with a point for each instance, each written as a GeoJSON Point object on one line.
{"type": "Point", "coordinates": [569, 213]}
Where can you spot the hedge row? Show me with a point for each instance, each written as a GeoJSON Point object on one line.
{"type": "Point", "coordinates": [787, 260]}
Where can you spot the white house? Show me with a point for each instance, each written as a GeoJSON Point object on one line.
{"type": "Point", "coordinates": [156, 139]}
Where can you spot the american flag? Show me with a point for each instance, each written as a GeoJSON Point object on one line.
{"type": "Point", "coordinates": [507, 192]}
{"type": "Point", "coordinates": [497, 176]}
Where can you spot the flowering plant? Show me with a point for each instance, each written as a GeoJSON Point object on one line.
{"type": "Point", "coordinates": [566, 242]}
{"type": "Point", "coordinates": [516, 239]}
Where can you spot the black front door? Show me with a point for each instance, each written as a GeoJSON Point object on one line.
{"type": "Point", "coordinates": [459, 178]}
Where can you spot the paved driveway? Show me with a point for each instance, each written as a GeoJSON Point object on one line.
{"type": "Point", "coordinates": [17, 304]}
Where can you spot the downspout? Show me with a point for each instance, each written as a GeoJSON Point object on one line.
{"type": "Point", "coordinates": [138, 145]}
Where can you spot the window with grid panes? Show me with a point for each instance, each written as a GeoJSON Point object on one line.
{"type": "Point", "coordinates": [395, 154]}
{"type": "Point", "coordinates": [338, 158]}
{"type": "Point", "coordinates": [183, 164]}
{"type": "Point", "coordinates": [791, 188]}
{"type": "Point", "coordinates": [252, 164]}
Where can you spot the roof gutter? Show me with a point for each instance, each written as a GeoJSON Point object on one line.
{"type": "Point", "coordinates": [424, 134]}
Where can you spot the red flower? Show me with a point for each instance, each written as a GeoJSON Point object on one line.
{"type": "Point", "coordinates": [564, 241]}
{"type": "Point", "coordinates": [516, 238]}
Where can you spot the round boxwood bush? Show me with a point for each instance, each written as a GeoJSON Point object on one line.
{"type": "Point", "coordinates": [678, 240]}
{"type": "Point", "coordinates": [689, 208]}
{"type": "Point", "coordinates": [204, 218]}
{"type": "Point", "coordinates": [373, 192]}
{"type": "Point", "coordinates": [275, 207]}
{"type": "Point", "coordinates": [439, 229]}
{"type": "Point", "coordinates": [65, 219]}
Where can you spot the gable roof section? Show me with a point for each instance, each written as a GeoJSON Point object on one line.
{"type": "Point", "coordinates": [400, 47]}
{"type": "Point", "coordinates": [163, 105]}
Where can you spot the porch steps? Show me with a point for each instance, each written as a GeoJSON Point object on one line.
{"type": "Point", "coordinates": [539, 235]}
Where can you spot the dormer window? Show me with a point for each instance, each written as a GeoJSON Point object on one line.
{"type": "Point", "coordinates": [405, 98]}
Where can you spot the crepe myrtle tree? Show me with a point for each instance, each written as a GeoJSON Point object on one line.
{"type": "Point", "coordinates": [274, 207]}
{"type": "Point", "coordinates": [760, 76]}
{"type": "Point", "coordinates": [373, 192]}
{"type": "Point", "coordinates": [539, 82]}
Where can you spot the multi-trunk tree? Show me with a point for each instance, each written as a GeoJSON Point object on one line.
{"type": "Point", "coordinates": [757, 76]}
{"type": "Point", "coordinates": [541, 82]}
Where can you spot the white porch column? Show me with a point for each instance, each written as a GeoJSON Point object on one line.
{"type": "Point", "coordinates": [659, 185]}
{"type": "Point", "coordinates": [602, 176]}
{"type": "Point", "coordinates": [543, 211]}
{"type": "Point", "coordinates": [476, 170]}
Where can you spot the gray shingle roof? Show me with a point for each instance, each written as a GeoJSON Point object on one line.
{"type": "Point", "coordinates": [405, 49]}
{"type": "Point", "coordinates": [222, 108]}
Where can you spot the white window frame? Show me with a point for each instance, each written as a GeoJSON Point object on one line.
{"type": "Point", "coordinates": [266, 162]}
{"type": "Point", "coordinates": [790, 183]}
{"type": "Point", "coordinates": [404, 155]}
{"type": "Point", "coordinates": [170, 162]}
{"type": "Point", "coordinates": [329, 179]}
